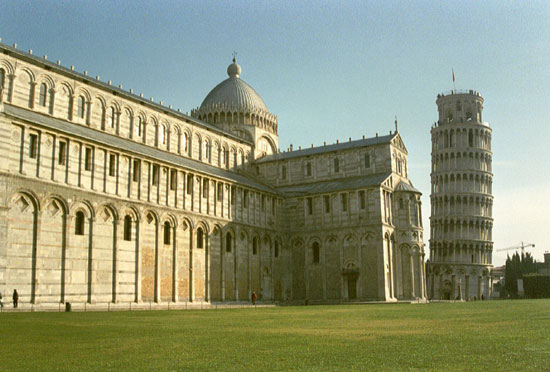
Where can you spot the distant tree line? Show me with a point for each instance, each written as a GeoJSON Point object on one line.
{"type": "Point", "coordinates": [524, 267]}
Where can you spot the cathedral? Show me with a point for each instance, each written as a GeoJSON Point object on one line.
{"type": "Point", "coordinates": [111, 198]}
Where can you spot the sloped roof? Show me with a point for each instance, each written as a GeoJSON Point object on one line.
{"type": "Point", "coordinates": [109, 140]}
{"type": "Point", "coordinates": [406, 187]}
{"type": "Point", "coordinates": [334, 185]}
{"type": "Point", "coordinates": [59, 69]}
{"type": "Point", "coordinates": [328, 148]}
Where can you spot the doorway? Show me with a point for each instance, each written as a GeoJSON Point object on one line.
{"type": "Point", "coordinates": [352, 287]}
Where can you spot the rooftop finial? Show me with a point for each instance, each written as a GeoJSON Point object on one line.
{"type": "Point", "coordinates": [234, 70]}
{"type": "Point", "coordinates": [396, 130]}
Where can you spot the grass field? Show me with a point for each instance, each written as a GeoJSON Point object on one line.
{"type": "Point", "coordinates": [474, 336]}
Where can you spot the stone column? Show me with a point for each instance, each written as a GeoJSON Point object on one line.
{"type": "Point", "coordinates": [324, 273]}
{"type": "Point", "coordinates": [138, 263]}
{"type": "Point", "coordinates": [222, 266]}
{"type": "Point", "coordinates": [116, 223]}
{"type": "Point", "coordinates": [235, 269]}
{"type": "Point", "coordinates": [157, 263]}
{"type": "Point", "coordinates": [191, 286]}
{"type": "Point", "coordinates": [479, 282]}
{"type": "Point", "coordinates": [411, 262]}
{"type": "Point", "coordinates": [174, 265]}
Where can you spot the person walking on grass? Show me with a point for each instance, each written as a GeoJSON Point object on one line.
{"type": "Point", "coordinates": [254, 298]}
{"type": "Point", "coordinates": [15, 298]}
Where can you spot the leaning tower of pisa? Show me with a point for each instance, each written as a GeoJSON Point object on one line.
{"type": "Point", "coordinates": [461, 200]}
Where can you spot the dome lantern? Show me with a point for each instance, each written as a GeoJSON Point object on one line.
{"type": "Point", "coordinates": [234, 69]}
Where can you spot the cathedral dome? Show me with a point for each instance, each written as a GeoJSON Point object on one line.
{"type": "Point", "coordinates": [234, 93]}
{"type": "Point", "coordinates": [234, 106]}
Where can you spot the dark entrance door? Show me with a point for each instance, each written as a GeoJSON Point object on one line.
{"type": "Point", "coordinates": [352, 287]}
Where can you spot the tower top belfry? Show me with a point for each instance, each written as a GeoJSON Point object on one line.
{"type": "Point", "coordinates": [460, 106]}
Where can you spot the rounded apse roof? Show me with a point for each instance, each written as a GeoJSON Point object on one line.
{"type": "Point", "coordinates": [234, 93]}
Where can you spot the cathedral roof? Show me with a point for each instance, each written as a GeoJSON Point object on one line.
{"type": "Point", "coordinates": [102, 138]}
{"type": "Point", "coordinates": [328, 148]}
{"type": "Point", "coordinates": [348, 183]}
{"type": "Point", "coordinates": [406, 187]}
{"type": "Point", "coordinates": [234, 93]}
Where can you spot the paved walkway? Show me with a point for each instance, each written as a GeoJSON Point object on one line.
{"type": "Point", "coordinates": [132, 306]}
{"type": "Point", "coordinates": [142, 306]}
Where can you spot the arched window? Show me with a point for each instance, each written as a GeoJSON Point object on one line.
{"type": "Point", "coordinates": [206, 150]}
{"type": "Point", "coordinates": [315, 249]}
{"type": "Point", "coordinates": [2, 77]}
{"type": "Point", "coordinates": [162, 135]}
{"type": "Point", "coordinates": [103, 117]}
{"type": "Point", "coordinates": [80, 110]}
{"type": "Point", "coordinates": [336, 165]}
{"type": "Point", "coordinates": [111, 119]}
{"type": "Point", "coordinates": [200, 238]}
{"type": "Point", "coordinates": [42, 96]}
{"type": "Point", "coordinates": [70, 103]}
{"type": "Point", "coordinates": [308, 169]}
{"type": "Point", "coordinates": [255, 245]}
{"type": "Point", "coordinates": [185, 142]}
{"type": "Point", "coordinates": [79, 223]}
{"type": "Point", "coordinates": [138, 126]}
{"type": "Point", "coordinates": [228, 242]}
{"type": "Point", "coordinates": [276, 249]}
{"type": "Point", "coordinates": [127, 228]}
{"type": "Point", "coordinates": [167, 232]}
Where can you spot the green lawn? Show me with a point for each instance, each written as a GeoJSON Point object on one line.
{"type": "Point", "coordinates": [474, 336]}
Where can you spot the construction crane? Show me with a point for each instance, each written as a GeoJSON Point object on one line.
{"type": "Point", "coordinates": [522, 246]}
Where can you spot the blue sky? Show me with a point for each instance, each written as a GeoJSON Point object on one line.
{"type": "Point", "coordinates": [333, 70]}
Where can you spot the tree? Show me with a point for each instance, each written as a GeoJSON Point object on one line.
{"type": "Point", "coordinates": [517, 266]}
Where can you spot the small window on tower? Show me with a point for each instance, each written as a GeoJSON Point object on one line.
{"type": "Point", "coordinates": [112, 165]}
{"type": "Point", "coordinates": [33, 146]}
{"type": "Point", "coordinates": [173, 179]}
{"type": "Point", "coordinates": [205, 188]}
{"type": "Point", "coordinates": [155, 180]}
{"type": "Point", "coordinates": [315, 249]}
{"type": "Point", "coordinates": [88, 159]}
{"type": "Point", "coordinates": [136, 170]}
{"type": "Point", "coordinates": [167, 232]}
{"type": "Point", "coordinates": [326, 198]}
{"type": "Point", "coordinates": [80, 107]}
{"type": "Point", "coordinates": [62, 155]}
{"type": "Point", "coordinates": [344, 199]}
{"type": "Point", "coordinates": [255, 245]}
{"type": "Point", "coordinates": [79, 223]}
{"type": "Point", "coordinates": [220, 191]}
{"type": "Point", "coordinates": [189, 184]}
{"type": "Point", "coordinates": [367, 160]}
{"type": "Point", "coordinates": [127, 228]}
